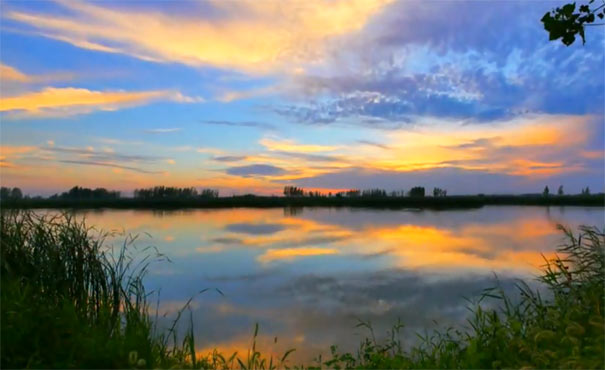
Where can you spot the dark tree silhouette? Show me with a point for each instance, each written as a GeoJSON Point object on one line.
{"type": "Point", "coordinates": [438, 192]}
{"type": "Point", "coordinates": [546, 191]}
{"type": "Point", "coordinates": [293, 191]}
{"type": "Point", "coordinates": [10, 194]}
{"type": "Point", "coordinates": [353, 193]}
{"type": "Point", "coordinates": [166, 192]}
{"type": "Point", "coordinates": [374, 193]}
{"type": "Point", "coordinates": [560, 190]}
{"type": "Point", "coordinates": [209, 193]}
{"type": "Point", "coordinates": [416, 191]}
{"type": "Point", "coordinates": [78, 192]}
{"type": "Point", "coordinates": [566, 22]}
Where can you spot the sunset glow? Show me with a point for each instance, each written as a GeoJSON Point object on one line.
{"type": "Point", "coordinates": [248, 96]}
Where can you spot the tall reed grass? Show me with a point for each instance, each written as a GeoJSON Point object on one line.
{"type": "Point", "coordinates": [68, 301]}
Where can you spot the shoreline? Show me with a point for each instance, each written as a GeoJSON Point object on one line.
{"type": "Point", "coordinates": [250, 201]}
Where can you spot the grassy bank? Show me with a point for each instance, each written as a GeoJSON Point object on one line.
{"type": "Point", "coordinates": [70, 302]}
{"type": "Point", "coordinates": [449, 202]}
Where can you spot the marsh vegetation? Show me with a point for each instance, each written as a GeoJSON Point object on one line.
{"type": "Point", "coordinates": [71, 301]}
{"type": "Point", "coordinates": [172, 197]}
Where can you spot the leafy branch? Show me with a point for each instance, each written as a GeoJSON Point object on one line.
{"type": "Point", "coordinates": [566, 23]}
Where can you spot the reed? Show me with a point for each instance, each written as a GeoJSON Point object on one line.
{"type": "Point", "coordinates": [69, 301]}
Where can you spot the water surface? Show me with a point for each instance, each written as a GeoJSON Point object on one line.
{"type": "Point", "coordinates": [307, 275]}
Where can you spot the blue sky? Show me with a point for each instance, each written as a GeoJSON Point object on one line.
{"type": "Point", "coordinates": [250, 96]}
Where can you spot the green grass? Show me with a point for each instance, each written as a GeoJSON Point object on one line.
{"type": "Point", "coordinates": [70, 302]}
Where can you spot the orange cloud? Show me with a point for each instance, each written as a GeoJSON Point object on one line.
{"type": "Point", "coordinates": [502, 147]}
{"type": "Point", "coordinates": [4, 163]}
{"type": "Point", "coordinates": [70, 100]}
{"type": "Point", "coordinates": [8, 150]}
{"type": "Point", "coordinates": [10, 76]}
{"type": "Point", "coordinates": [8, 73]}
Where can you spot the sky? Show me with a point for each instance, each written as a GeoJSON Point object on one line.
{"type": "Point", "coordinates": [249, 96]}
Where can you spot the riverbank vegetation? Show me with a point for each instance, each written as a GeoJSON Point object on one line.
{"type": "Point", "coordinates": [69, 301]}
{"type": "Point", "coordinates": [170, 197]}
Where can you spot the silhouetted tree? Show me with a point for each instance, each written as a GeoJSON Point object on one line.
{"type": "Point", "coordinates": [586, 191]}
{"type": "Point", "coordinates": [293, 191]}
{"type": "Point", "coordinates": [374, 193]}
{"type": "Point", "coordinates": [16, 194]}
{"type": "Point", "coordinates": [165, 192]}
{"type": "Point", "coordinates": [209, 193]}
{"type": "Point", "coordinates": [416, 191]}
{"type": "Point", "coordinates": [438, 192]}
{"type": "Point", "coordinates": [353, 193]}
{"type": "Point", "coordinates": [565, 22]}
{"type": "Point", "coordinates": [78, 192]}
{"type": "Point", "coordinates": [10, 194]}
{"type": "Point", "coordinates": [546, 191]}
{"type": "Point", "coordinates": [560, 190]}
{"type": "Point", "coordinates": [398, 193]}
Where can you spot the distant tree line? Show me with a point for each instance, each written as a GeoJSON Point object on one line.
{"type": "Point", "coordinates": [78, 192]}
{"type": "Point", "coordinates": [560, 192]}
{"type": "Point", "coordinates": [417, 191]}
{"type": "Point", "coordinates": [374, 193]}
{"type": "Point", "coordinates": [168, 192]}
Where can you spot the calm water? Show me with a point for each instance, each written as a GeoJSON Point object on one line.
{"type": "Point", "coordinates": [306, 275]}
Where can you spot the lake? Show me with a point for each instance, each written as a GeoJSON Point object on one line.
{"type": "Point", "coordinates": [307, 275]}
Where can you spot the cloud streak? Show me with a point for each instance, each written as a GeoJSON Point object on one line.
{"type": "Point", "coordinates": [255, 170]}
{"type": "Point", "coordinates": [249, 36]}
{"type": "Point", "coordinates": [68, 101]}
{"type": "Point", "coordinates": [10, 75]}
{"type": "Point", "coordinates": [107, 164]}
{"type": "Point", "coordinates": [253, 124]}
{"type": "Point", "coordinates": [163, 130]}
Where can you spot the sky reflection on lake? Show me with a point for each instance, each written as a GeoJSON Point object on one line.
{"type": "Point", "coordinates": [307, 275]}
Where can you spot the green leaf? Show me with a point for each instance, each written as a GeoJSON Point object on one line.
{"type": "Point", "coordinates": [568, 9]}
{"type": "Point", "coordinates": [590, 18]}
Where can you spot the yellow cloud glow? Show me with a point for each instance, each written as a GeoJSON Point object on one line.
{"type": "Point", "coordinates": [8, 150]}
{"type": "Point", "coordinates": [502, 147]}
{"type": "Point", "coordinates": [249, 35]}
{"type": "Point", "coordinates": [291, 146]}
{"type": "Point", "coordinates": [70, 100]}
